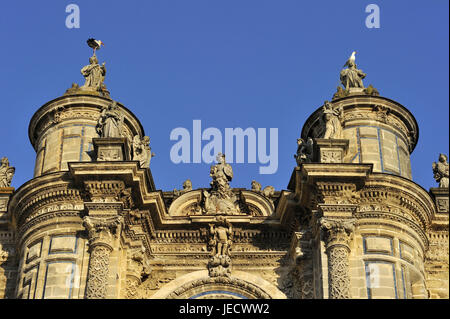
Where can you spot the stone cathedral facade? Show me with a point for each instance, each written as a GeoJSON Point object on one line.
{"type": "Point", "coordinates": [351, 223]}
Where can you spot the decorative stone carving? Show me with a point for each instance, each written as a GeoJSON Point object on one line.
{"type": "Point", "coordinates": [256, 187]}
{"type": "Point", "coordinates": [104, 191]}
{"type": "Point", "coordinates": [268, 191]}
{"type": "Point", "coordinates": [337, 193]}
{"type": "Point", "coordinates": [332, 117]}
{"type": "Point", "coordinates": [381, 112]}
{"type": "Point", "coordinates": [220, 198]}
{"type": "Point", "coordinates": [304, 151]}
{"type": "Point", "coordinates": [111, 149]}
{"type": "Point", "coordinates": [103, 230]}
{"type": "Point", "coordinates": [340, 93]}
{"type": "Point", "coordinates": [187, 186]}
{"type": "Point", "coordinates": [142, 151]}
{"type": "Point", "coordinates": [337, 236]}
{"type": "Point", "coordinates": [219, 243]}
{"type": "Point", "coordinates": [125, 196]}
{"type": "Point", "coordinates": [6, 252]}
{"type": "Point", "coordinates": [110, 122]}
{"type": "Point", "coordinates": [352, 77]}
{"type": "Point", "coordinates": [441, 171]}
{"type": "Point", "coordinates": [102, 233]}
{"type": "Point", "coordinates": [370, 90]}
{"type": "Point", "coordinates": [137, 268]}
{"type": "Point", "coordinates": [73, 89]}
{"type": "Point", "coordinates": [94, 74]}
{"type": "Point", "coordinates": [6, 173]}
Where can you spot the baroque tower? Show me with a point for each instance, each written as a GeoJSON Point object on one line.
{"type": "Point", "coordinates": [351, 223]}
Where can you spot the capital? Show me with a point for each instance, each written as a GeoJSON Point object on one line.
{"type": "Point", "coordinates": [337, 232]}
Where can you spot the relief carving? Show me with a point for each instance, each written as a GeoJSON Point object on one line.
{"type": "Point", "coordinates": [337, 237]}
{"type": "Point", "coordinates": [219, 243]}
{"type": "Point", "coordinates": [102, 233]}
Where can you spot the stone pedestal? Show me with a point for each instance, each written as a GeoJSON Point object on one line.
{"type": "Point", "coordinates": [330, 150]}
{"type": "Point", "coordinates": [5, 194]}
{"type": "Point", "coordinates": [441, 198]}
{"type": "Point", "coordinates": [110, 149]}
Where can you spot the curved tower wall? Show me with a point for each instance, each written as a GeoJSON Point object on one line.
{"type": "Point", "coordinates": [47, 211]}
{"type": "Point", "coordinates": [380, 131]}
{"type": "Point", "coordinates": [62, 130]}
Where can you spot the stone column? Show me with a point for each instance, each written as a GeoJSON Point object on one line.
{"type": "Point", "coordinates": [103, 232]}
{"type": "Point", "coordinates": [337, 236]}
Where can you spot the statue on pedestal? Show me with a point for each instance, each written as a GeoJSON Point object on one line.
{"type": "Point", "coordinates": [333, 116]}
{"type": "Point", "coordinates": [352, 77]}
{"type": "Point", "coordinates": [221, 199]}
{"type": "Point", "coordinates": [6, 173]}
{"type": "Point", "coordinates": [142, 151]}
{"type": "Point", "coordinates": [304, 151]}
{"type": "Point", "coordinates": [440, 170]}
{"type": "Point", "coordinates": [94, 74]}
{"type": "Point", "coordinates": [110, 121]}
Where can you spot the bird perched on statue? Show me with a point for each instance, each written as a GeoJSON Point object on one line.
{"type": "Point", "coordinates": [95, 44]}
{"type": "Point", "coordinates": [351, 60]}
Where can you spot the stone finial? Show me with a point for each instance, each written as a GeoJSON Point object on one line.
{"type": "Point", "coordinates": [110, 122]}
{"type": "Point", "coordinates": [370, 90]}
{"type": "Point", "coordinates": [332, 117]}
{"type": "Point", "coordinates": [187, 185]}
{"type": "Point", "coordinates": [142, 151]}
{"type": "Point", "coordinates": [256, 187]}
{"type": "Point", "coordinates": [304, 151]}
{"type": "Point", "coordinates": [441, 171]}
{"type": "Point", "coordinates": [6, 173]}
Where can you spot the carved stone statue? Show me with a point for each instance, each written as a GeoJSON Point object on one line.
{"type": "Point", "coordinates": [220, 237]}
{"type": "Point", "coordinates": [304, 151]}
{"type": "Point", "coordinates": [352, 77]}
{"type": "Point", "coordinates": [142, 151]}
{"type": "Point", "coordinates": [440, 170]}
{"type": "Point", "coordinates": [220, 199]}
{"type": "Point", "coordinates": [110, 121]}
{"type": "Point", "coordinates": [94, 74]}
{"type": "Point", "coordinates": [6, 173]}
{"type": "Point", "coordinates": [332, 116]}
{"type": "Point", "coordinates": [220, 241]}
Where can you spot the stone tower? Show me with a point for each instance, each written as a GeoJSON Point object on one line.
{"type": "Point", "coordinates": [351, 223]}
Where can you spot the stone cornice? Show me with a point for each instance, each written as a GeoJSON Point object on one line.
{"type": "Point", "coordinates": [32, 198]}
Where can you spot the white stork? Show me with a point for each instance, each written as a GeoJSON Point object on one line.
{"type": "Point", "coordinates": [94, 44]}
{"type": "Point", "coordinates": [350, 59]}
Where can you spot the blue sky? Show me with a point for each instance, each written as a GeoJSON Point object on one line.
{"type": "Point", "coordinates": [235, 63]}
